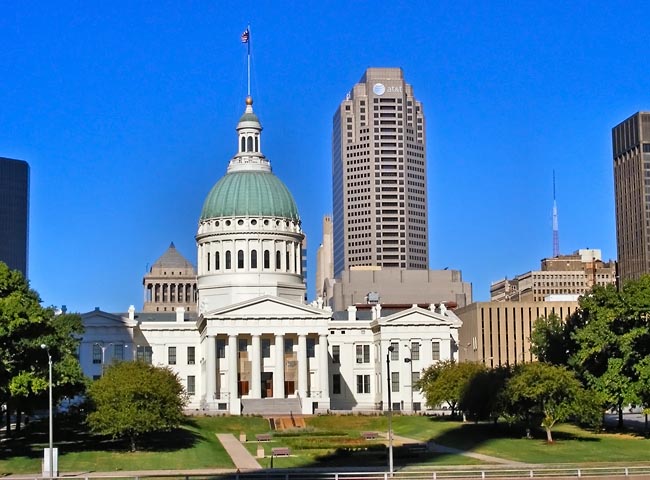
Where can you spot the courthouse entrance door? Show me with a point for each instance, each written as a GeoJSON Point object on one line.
{"type": "Point", "coordinates": [267, 384]}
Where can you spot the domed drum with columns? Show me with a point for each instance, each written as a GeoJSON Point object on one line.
{"type": "Point", "coordinates": [249, 234]}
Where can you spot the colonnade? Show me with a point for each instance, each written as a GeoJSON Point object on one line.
{"type": "Point", "coordinates": [275, 365]}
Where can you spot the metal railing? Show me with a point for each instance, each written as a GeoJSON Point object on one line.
{"type": "Point", "coordinates": [439, 474]}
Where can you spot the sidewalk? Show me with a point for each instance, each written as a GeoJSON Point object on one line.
{"type": "Point", "coordinates": [434, 447]}
{"type": "Point", "coordinates": [241, 457]}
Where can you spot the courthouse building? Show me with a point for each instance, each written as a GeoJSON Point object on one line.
{"type": "Point", "coordinates": [250, 343]}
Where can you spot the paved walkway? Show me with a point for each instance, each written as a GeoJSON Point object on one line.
{"type": "Point", "coordinates": [241, 457]}
{"type": "Point", "coordinates": [442, 449]}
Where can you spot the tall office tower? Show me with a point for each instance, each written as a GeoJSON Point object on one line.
{"type": "Point", "coordinates": [379, 175]}
{"type": "Point", "coordinates": [631, 149]}
{"type": "Point", "coordinates": [14, 213]}
{"type": "Point", "coordinates": [324, 260]}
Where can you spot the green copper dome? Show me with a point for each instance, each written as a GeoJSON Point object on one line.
{"type": "Point", "coordinates": [249, 193]}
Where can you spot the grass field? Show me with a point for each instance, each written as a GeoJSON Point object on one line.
{"type": "Point", "coordinates": [327, 441]}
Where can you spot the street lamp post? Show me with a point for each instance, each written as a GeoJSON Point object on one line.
{"type": "Point", "coordinates": [51, 450]}
{"type": "Point", "coordinates": [390, 413]}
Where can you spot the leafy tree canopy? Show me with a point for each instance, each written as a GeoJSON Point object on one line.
{"type": "Point", "coordinates": [548, 393]}
{"type": "Point", "coordinates": [24, 326]}
{"type": "Point", "coordinates": [446, 381]}
{"type": "Point", "coordinates": [133, 399]}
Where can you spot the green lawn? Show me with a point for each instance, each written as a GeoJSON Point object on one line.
{"type": "Point", "coordinates": [327, 441]}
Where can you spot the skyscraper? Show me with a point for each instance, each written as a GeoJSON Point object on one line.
{"type": "Point", "coordinates": [631, 151]}
{"type": "Point", "coordinates": [14, 213]}
{"type": "Point", "coordinates": [379, 175]}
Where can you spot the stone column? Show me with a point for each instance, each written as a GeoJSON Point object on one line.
{"type": "Point", "coordinates": [323, 366]}
{"type": "Point", "coordinates": [256, 369]}
{"type": "Point", "coordinates": [210, 370]}
{"type": "Point", "coordinates": [278, 375]}
{"type": "Point", "coordinates": [302, 365]}
{"type": "Point", "coordinates": [232, 366]}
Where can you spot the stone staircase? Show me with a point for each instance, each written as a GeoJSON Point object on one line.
{"type": "Point", "coordinates": [267, 407]}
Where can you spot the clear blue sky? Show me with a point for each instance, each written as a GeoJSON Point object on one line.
{"type": "Point", "coordinates": [126, 112]}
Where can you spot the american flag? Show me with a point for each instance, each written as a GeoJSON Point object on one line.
{"type": "Point", "coordinates": [245, 36]}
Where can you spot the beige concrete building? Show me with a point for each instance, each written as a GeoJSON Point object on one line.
{"type": "Point", "coordinates": [572, 274]}
{"type": "Point", "coordinates": [399, 286]}
{"type": "Point", "coordinates": [170, 284]}
{"type": "Point", "coordinates": [631, 151]}
{"type": "Point", "coordinates": [498, 333]}
{"type": "Point", "coordinates": [325, 259]}
{"type": "Point", "coordinates": [379, 175]}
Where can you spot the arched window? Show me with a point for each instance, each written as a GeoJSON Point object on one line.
{"type": "Point", "coordinates": [250, 144]}
{"type": "Point", "coordinates": [254, 259]}
{"type": "Point", "coordinates": [277, 260]}
{"type": "Point", "coordinates": [257, 144]}
{"type": "Point", "coordinates": [243, 144]}
{"type": "Point", "coordinates": [240, 259]}
{"type": "Point", "coordinates": [267, 259]}
{"type": "Point", "coordinates": [208, 261]}
{"type": "Point", "coordinates": [287, 264]}
{"type": "Point", "coordinates": [228, 260]}
{"type": "Point", "coordinates": [217, 261]}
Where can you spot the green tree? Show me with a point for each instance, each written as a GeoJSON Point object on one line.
{"type": "Point", "coordinates": [133, 399]}
{"type": "Point", "coordinates": [445, 382]}
{"type": "Point", "coordinates": [548, 340]}
{"type": "Point", "coordinates": [482, 397]}
{"type": "Point", "coordinates": [612, 338]}
{"type": "Point", "coordinates": [548, 393]}
{"type": "Point", "coordinates": [24, 326]}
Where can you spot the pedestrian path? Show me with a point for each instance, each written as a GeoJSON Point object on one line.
{"type": "Point", "coordinates": [434, 447]}
{"type": "Point", "coordinates": [241, 457]}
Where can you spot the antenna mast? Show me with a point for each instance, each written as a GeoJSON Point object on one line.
{"type": "Point", "coordinates": [556, 235]}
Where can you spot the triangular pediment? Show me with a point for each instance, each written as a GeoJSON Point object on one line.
{"type": "Point", "coordinates": [268, 307]}
{"type": "Point", "coordinates": [420, 316]}
{"type": "Point", "coordinates": [99, 318]}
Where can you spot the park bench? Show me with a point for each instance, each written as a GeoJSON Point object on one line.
{"type": "Point", "coordinates": [263, 437]}
{"type": "Point", "coordinates": [369, 435]}
{"type": "Point", "coordinates": [281, 451]}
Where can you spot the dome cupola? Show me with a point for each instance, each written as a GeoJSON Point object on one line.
{"type": "Point", "coordinates": [249, 237]}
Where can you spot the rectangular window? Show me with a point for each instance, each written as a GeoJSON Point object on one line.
{"type": "Point", "coordinates": [97, 353]}
{"type": "Point", "coordinates": [221, 348]}
{"type": "Point", "coordinates": [266, 348]}
{"type": "Point", "coordinates": [363, 353]}
{"type": "Point", "coordinates": [191, 355]}
{"type": "Point", "coordinates": [171, 355]}
{"type": "Point", "coordinates": [415, 377]}
{"type": "Point", "coordinates": [191, 385]}
{"type": "Point", "coordinates": [288, 345]}
{"type": "Point", "coordinates": [144, 353]}
{"type": "Point", "coordinates": [336, 354]}
{"type": "Point", "coordinates": [336, 384]}
{"type": "Point", "coordinates": [118, 351]}
{"type": "Point", "coordinates": [415, 351]}
{"type": "Point", "coordinates": [242, 345]}
{"type": "Point", "coordinates": [311, 348]}
{"type": "Point", "coordinates": [435, 350]}
{"type": "Point", "coordinates": [363, 383]}
{"type": "Point", "coordinates": [394, 355]}
{"type": "Point", "coordinates": [394, 381]}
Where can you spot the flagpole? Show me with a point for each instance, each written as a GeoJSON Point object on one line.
{"type": "Point", "coordinates": [248, 29]}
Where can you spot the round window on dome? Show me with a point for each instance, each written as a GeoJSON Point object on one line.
{"type": "Point", "coordinates": [227, 223]}
{"type": "Point", "coordinates": [216, 224]}
{"type": "Point", "coordinates": [253, 222]}
{"type": "Point", "coordinates": [266, 222]}
{"type": "Point", "coordinates": [240, 222]}
{"type": "Point", "coordinates": [287, 224]}
{"type": "Point", "coordinates": [277, 223]}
